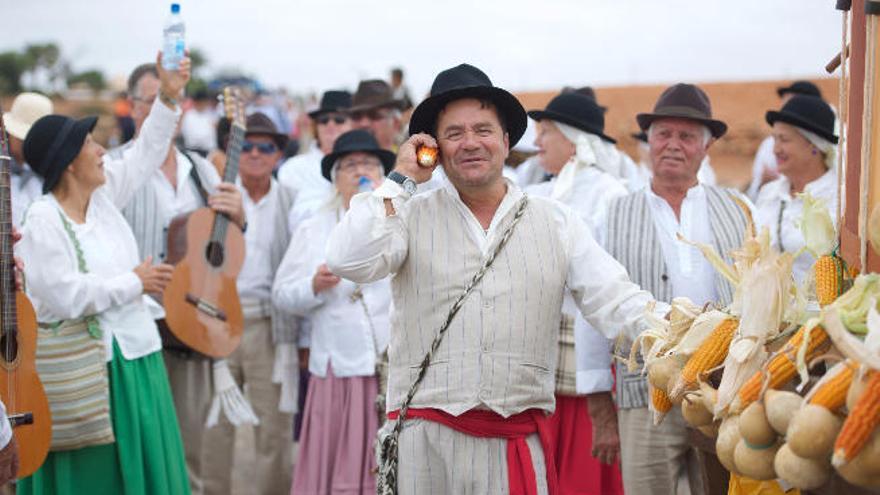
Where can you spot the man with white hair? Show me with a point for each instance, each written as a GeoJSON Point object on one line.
{"type": "Point", "coordinates": [641, 234]}
{"type": "Point", "coordinates": [25, 185]}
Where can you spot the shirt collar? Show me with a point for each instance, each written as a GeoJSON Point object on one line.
{"type": "Point", "coordinates": [695, 193]}
{"type": "Point", "coordinates": [513, 195]}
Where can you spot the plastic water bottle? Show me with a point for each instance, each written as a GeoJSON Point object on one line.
{"type": "Point", "coordinates": [365, 184]}
{"type": "Point", "coordinates": [173, 45]}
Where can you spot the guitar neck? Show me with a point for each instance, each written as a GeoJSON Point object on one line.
{"type": "Point", "coordinates": [8, 319]}
{"type": "Point", "coordinates": [233, 154]}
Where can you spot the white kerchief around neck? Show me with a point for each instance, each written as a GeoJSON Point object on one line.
{"type": "Point", "coordinates": [691, 275]}
{"type": "Point", "coordinates": [484, 238]}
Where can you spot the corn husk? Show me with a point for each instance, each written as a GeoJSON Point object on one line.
{"type": "Point", "coordinates": [662, 334]}
{"type": "Point", "coordinates": [853, 323]}
{"type": "Point", "coordinates": [701, 328]}
{"type": "Point", "coordinates": [816, 226]}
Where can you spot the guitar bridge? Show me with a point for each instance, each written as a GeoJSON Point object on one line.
{"type": "Point", "coordinates": [206, 307]}
{"type": "Point", "coordinates": [21, 419]}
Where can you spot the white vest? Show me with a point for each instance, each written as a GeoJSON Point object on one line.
{"type": "Point", "coordinates": [500, 350]}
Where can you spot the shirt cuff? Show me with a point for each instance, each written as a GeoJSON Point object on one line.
{"type": "Point", "coordinates": [390, 190]}
{"type": "Point", "coordinates": [594, 381]}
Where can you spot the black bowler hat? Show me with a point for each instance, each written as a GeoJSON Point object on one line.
{"type": "Point", "coordinates": [577, 110]}
{"type": "Point", "coordinates": [800, 88]}
{"type": "Point", "coordinates": [807, 112]}
{"type": "Point", "coordinates": [52, 143]}
{"type": "Point", "coordinates": [683, 101]}
{"type": "Point", "coordinates": [351, 142]}
{"type": "Point", "coordinates": [641, 136]}
{"type": "Point", "coordinates": [332, 101]}
{"type": "Point", "coordinates": [467, 81]}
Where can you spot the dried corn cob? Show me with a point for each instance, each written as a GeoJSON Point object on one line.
{"type": "Point", "coordinates": [781, 368]}
{"type": "Point", "coordinates": [829, 273]}
{"type": "Point", "coordinates": [860, 423]}
{"type": "Point", "coordinates": [660, 400]}
{"type": "Point", "coordinates": [710, 354]}
{"type": "Point", "coordinates": [831, 393]}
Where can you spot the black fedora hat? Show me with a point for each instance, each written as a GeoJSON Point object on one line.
{"type": "Point", "coordinates": [800, 88]}
{"type": "Point", "coordinates": [684, 101]}
{"type": "Point", "coordinates": [577, 110]}
{"type": "Point", "coordinates": [332, 101]}
{"type": "Point", "coordinates": [258, 124]}
{"type": "Point", "coordinates": [374, 93]}
{"type": "Point", "coordinates": [807, 112]}
{"type": "Point", "coordinates": [640, 136]}
{"type": "Point", "coordinates": [467, 81]}
{"type": "Point", "coordinates": [586, 91]}
{"type": "Point", "coordinates": [52, 143]}
{"type": "Point", "coordinates": [351, 142]}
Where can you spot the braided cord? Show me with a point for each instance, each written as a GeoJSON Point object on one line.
{"type": "Point", "coordinates": [388, 471]}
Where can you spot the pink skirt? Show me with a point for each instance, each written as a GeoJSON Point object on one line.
{"type": "Point", "coordinates": [336, 452]}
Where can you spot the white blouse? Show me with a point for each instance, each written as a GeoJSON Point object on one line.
{"type": "Point", "coordinates": [780, 212]}
{"type": "Point", "coordinates": [341, 332]}
{"type": "Point", "coordinates": [109, 289]}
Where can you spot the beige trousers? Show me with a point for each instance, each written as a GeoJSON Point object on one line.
{"type": "Point", "coordinates": [210, 471]}
{"type": "Point", "coordinates": [656, 459]}
{"type": "Point", "coordinates": [436, 459]}
{"type": "Point", "coordinates": [251, 366]}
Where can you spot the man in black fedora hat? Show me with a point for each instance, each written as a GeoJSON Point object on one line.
{"type": "Point", "coordinates": [641, 233]}
{"type": "Point", "coordinates": [487, 384]}
{"type": "Point", "coordinates": [374, 108]}
{"type": "Point", "coordinates": [764, 166]}
{"type": "Point", "coordinates": [301, 174]}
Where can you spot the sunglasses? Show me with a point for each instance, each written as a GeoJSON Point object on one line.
{"type": "Point", "coordinates": [264, 148]}
{"type": "Point", "coordinates": [325, 119]}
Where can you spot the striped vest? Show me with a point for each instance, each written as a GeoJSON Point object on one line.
{"type": "Point", "coordinates": [632, 240]}
{"type": "Point", "coordinates": [500, 350]}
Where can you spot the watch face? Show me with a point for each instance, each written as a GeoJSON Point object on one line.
{"type": "Point", "coordinates": [409, 186]}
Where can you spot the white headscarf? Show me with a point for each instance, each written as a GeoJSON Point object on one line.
{"type": "Point", "coordinates": [590, 150]}
{"type": "Point", "coordinates": [824, 145]}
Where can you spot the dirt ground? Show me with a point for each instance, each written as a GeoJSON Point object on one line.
{"type": "Point", "coordinates": [740, 104]}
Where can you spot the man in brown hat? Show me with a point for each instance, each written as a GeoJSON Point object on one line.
{"type": "Point", "coordinates": [641, 234]}
{"type": "Point", "coordinates": [266, 360]}
{"type": "Point", "coordinates": [374, 108]}
{"type": "Point", "coordinates": [485, 350]}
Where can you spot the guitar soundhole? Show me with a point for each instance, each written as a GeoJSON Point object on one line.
{"type": "Point", "coordinates": [10, 348]}
{"type": "Point", "coordinates": [214, 253]}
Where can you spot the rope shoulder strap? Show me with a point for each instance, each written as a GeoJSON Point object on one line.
{"type": "Point", "coordinates": [387, 479]}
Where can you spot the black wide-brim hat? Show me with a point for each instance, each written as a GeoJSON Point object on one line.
{"type": "Point", "coordinates": [467, 81]}
{"type": "Point", "coordinates": [332, 101]}
{"type": "Point", "coordinates": [577, 110]}
{"type": "Point", "coordinates": [800, 88]}
{"type": "Point", "coordinates": [52, 143]}
{"type": "Point", "coordinates": [807, 112]}
{"type": "Point", "coordinates": [683, 101]}
{"type": "Point", "coordinates": [354, 141]}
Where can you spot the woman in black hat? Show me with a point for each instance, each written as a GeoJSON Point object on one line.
{"type": "Point", "coordinates": [86, 279]}
{"type": "Point", "coordinates": [349, 329]}
{"type": "Point", "coordinates": [806, 154]}
{"type": "Point", "coordinates": [570, 140]}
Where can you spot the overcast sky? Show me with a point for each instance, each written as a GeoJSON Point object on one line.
{"type": "Point", "coordinates": [308, 45]}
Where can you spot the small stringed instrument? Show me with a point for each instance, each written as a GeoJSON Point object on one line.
{"type": "Point", "coordinates": [20, 386]}
{"type": "Point", "coordinates": [201, 301]}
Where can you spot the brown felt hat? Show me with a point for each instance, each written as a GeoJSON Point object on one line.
{"type": "Point", "coordinates": [373, 93]}
{"type": "Point", "coordinates": [258, 124]}
{"type": "Point", "coordinates": [683, 101]}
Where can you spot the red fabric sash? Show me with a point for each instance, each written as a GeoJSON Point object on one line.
{"type": "Point", "coordinates": [488, 424]}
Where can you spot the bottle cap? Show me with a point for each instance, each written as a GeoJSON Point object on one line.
{"type": "Point", "coordinates": [175, 8]}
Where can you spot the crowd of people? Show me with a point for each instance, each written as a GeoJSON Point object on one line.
{"type": "Point", "coordinates": [437, 328]}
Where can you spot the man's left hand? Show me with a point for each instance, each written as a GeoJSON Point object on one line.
{"type": "Point", "coordinates": [227, 199]}
{"type": "Point", "coordinates": [9, 461]}
{"type": "Point", "coordinates": [606, 440]}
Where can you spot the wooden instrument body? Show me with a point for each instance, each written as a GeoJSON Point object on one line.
{"type": "Point", "coordinates": [198, 287]}
{"type": "Point", "coordinates": [22, 391]}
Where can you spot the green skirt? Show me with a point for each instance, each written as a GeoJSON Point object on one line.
{"type": "Point", "coordinates": [147, 457]}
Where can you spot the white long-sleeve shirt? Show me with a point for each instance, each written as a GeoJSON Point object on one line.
{"type": "Point", "coordinates": [342, 335]}
{"type": "Point", "coordinates": [110, 289]}
{"type": "Point", "coordinates": [368, 245]}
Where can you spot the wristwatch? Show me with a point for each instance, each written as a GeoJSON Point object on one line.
{"type": "Point", "coordinates": [408, 184]}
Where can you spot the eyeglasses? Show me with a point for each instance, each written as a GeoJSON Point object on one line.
{"type": "Point", "coordinates": [347, 166]}
{"type": "Point", "coordinates": [325, 119]}
{"type": "Point", "coordinates": [371, 114]}
{"type": "Point", "coordinates": [264, 148]}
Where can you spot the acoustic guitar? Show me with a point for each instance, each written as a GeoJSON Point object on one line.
{"type": "Point", "coordinates": [201, 301]}
{"type": "Point", "coordinates": [20, 386]}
